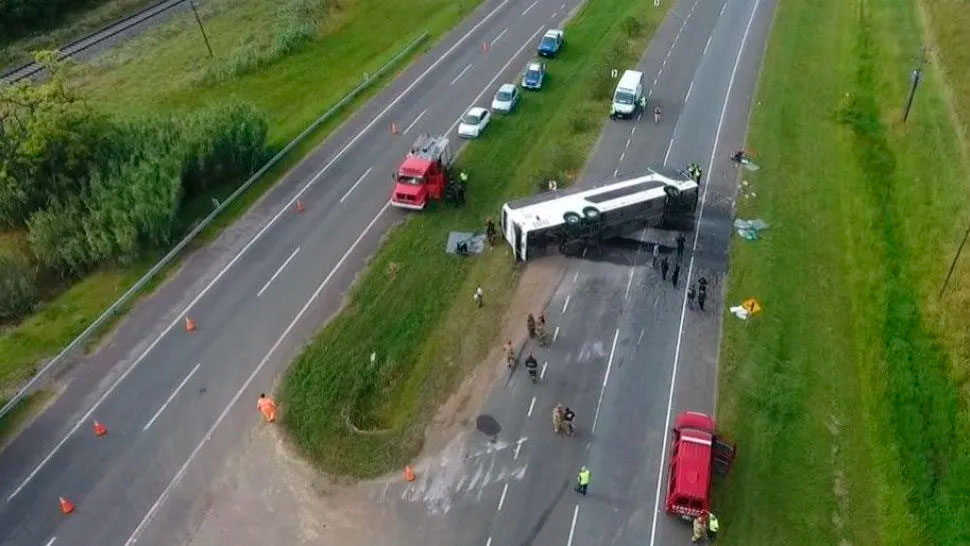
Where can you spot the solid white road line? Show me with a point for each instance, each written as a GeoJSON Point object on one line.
{"type": "Point", "coordinates": [542, 374]}
{"type": "Point", "coordinates": [273, 278]}
{"type": "Point", "coordinates": [528, 9]}
{"type": "Point", "coordinates": [497, 74]}
{"type": "Point", "coordinates": [218, 276]}
{"type": "Point", "coordinates": [488, 542]}
{"type": "Point", "coordinates": [352, 188]}
{"type": "Point", "coordinates": [707, 44]}
{"type": "Point", "coordinates": [555, 335]}
{"type": "Point", "coordinates": [690, 269]}
{"type": "Point", "coordinates": [181, 472]}
{"type": "Point", "coordinates": [518, 446]}
{"type": "Point", "coordinates": [171, 397]}
{"type": "Point", "coordinates": [421, 115]}
{"type": "Point", "coordinates": [501, 499]}
{"type": "Point", "coordinates": [531, 406]}
{"type": "Point", "coordinates": [499, 37]}
{"type": "Point", "coordinates": [689, 89]}
{"type": "Point", "coordinates": [51, 541]}
{"type": "Point", "coordinates": [670, 146]}
{"type": "Point", "coordinates": [572, 527]}
{"type": "Point", "coordinates": [460, 74]}
{"type": "Point", "coordinates": [565, 304]}
{"type": "Point", "coordinates": [606, 378]}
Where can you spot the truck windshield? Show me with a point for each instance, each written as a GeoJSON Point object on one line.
{"type": "Point", "coordinates": [410, 180]}
{"type": "Point", "coordinates": [623, 97]}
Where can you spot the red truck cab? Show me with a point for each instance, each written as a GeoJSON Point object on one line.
{"type": "Point", "coordinates": [695, 454]}
{"type": "Point", "coordinates": [423, 174]}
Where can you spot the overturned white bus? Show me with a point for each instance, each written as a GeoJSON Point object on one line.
{"type": "Point", "coordinates": [585, 216]}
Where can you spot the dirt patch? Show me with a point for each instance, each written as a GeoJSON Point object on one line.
{"type": "Point", "coordinates": [535, 288]}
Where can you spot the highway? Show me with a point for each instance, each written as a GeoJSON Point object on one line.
{"type": "Point", "coordinates": [628, 354]}
{"type": "Point", "coordinates": [177, 403]}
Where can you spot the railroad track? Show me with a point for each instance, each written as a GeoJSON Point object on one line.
{"type": "Point", "coordinates": [96, 37]}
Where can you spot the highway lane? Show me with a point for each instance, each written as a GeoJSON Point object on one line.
{"type": "Point", "coordinates": [136, 469]}
{"type": "Point", "coordinates": [629, 354]}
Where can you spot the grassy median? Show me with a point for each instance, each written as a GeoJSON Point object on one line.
{"type": "Point", "coordinates": [293, 90]}
{"type": "Point", "coordinates": [413, 305]}
{"type": "Point", "coordinates": [848, 395]}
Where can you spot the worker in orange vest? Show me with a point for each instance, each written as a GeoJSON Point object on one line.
{"type": "Point", "coordinates": [267, 407]}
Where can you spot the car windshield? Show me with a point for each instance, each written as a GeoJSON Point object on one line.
{"type": "Point", "coordinates": [410, 180]}
{"type": "Point", "coordinates": [623, 97]}
{"type": "Point", "coordinates": [532, 74]}
{"type": "Point", "coordinates": [504, 96]}
{"type": "Point", "coordinates": [548, 42]}
{"type": "Point", "coordinates": [470, 119]}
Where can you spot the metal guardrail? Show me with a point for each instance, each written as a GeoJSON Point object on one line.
{"type": "Point", "coordinates": [92, 39]}
{"type": "Point", "coordinates": [34, 381]}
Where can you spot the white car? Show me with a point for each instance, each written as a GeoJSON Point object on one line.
{"type": "Point", "coordinates": [473, 122]}
{"type": "Point", "coordinates": [506, 98]}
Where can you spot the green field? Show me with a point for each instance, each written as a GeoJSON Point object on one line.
{"type": "Point", "coordinates": [413, 305]}
{"type": "Point", "coordinates": [848, 394]}
{"type": "Point", "coordinates": [292, 91]}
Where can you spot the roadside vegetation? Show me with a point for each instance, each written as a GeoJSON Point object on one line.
{"type": "Point", "coordinates": [315, 52]}
{"type": "Point", "coordinates": [413, 305]}
{"type": "Point", "coordinates": [848, 395]}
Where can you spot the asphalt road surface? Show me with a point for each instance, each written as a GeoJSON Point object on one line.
{"type": "Point", "coordinates": [176, 403]}
{"type": "Point", "coordinates": [628, 354]}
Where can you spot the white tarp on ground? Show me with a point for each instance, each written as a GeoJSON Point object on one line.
{"type": "Point", "coordinates": [476, 242]}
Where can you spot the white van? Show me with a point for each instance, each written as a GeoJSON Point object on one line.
{"type": "Point", "coordinates": [628, 95]}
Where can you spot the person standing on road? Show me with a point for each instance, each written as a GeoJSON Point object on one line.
{"type": "Point", "coordinates": [691, 294]}
{"type": "Point", "coordinates": [490, 233]}
{"type": "Point", "coordinates": [557, 418]}
{"type": "Point", "coordinates": [664, 266]}
{"type": "Point", "coordinates": [267, 407]}
{"type": "Point", "coordinates": [509, 353]}
{"type": "Point", "coordinates": [681, 242]}
{"type": "Point", "coordinates": [656, 254]}
{"type": "Point", "coordinates": [530, 325]}
{"type": "Point", "coordinates": [675, 275]}
{"type": "Point", "coordinates": [582, 481]}
{"type": "Point", "coordinates": [656, 114]}
{"type": "Point", "coordinates": [700, 529]}
{"type": "Point", "coordinates": [479, 296]}
{"type": "Point", "coordinates": [541, 333]}
{"type": "Point", "coordinates": [701, 296]}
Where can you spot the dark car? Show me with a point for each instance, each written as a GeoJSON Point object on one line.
{"type": "Point", "coordinates": [550, 43]}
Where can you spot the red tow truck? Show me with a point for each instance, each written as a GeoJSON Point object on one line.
{"type": "Point", "coordinates": [695, 454]}
{"type": "Point", "coordinates": [423, 175]}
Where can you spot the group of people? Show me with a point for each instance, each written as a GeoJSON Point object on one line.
{"type": "Point", "coordinates": [663, 263]}
{"type": "Point", "coordinates": [705, 527]}
{"type": "Point", "coordinates": [562, 420]}
{"type": "Point", "coordinates": [537, 329]}
{"type": "Point", "coordinates": [700, 293]}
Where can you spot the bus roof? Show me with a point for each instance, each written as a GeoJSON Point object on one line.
{"type": "Point", "coordinates": [547, 208]}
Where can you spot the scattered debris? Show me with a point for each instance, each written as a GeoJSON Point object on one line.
{"type": "Point", "coordinates": [471, 243]}
{"type": "Point", "coordinates": [749, 308]}
{"type": "Point", "coordinates": [749, 229]}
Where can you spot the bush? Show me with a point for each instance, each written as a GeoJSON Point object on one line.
{"type": "Point", "coordinates": [632, 26]}
{"type": "Point", "coordinates": [18, 289]}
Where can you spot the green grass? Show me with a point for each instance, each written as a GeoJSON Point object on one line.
{"type": "Point", "coordinates": [413, 305]}
{"type": "Point", "coordinates": [293, 92]}
{"type": "Point", "coordinates": [73, 26]}
{"type": "Point", "coordinates": [847, 395]}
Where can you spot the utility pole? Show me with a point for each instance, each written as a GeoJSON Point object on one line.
{"type": "Point", "coordinates": [954, 263]}
{"type": "Point", "coordinates": [201, 28]}
{"type": "Point", "coordinates": [914, 81]}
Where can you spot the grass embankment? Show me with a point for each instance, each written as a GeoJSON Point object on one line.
{"type": "Point", "coordinates": [73, 25]}
{"type": "Point", "coordinates": [355, 36]}
{"type": "Point", "coordinates": [413, 306]}
{"type": "Point", "coordinates": [848, 396]}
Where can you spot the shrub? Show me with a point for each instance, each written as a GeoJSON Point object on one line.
{"type": "Point", "coordinates": [18, 289]}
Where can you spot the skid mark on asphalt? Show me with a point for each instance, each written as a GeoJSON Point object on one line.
{"type": "Point", "coordinates": [455, 474]}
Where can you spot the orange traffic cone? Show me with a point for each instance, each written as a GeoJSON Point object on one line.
{"type": "Point", "coordinates": [484, 47]}
{"type": "Point", "coordinates": [299, 206]}
{"type": "Point", "coordinates": [66, 506]}
{"type": "Point", "coordinates": [99, 429]}
{"type": "Point", "coordinates": [189, 325]}
{"type": "Point", "coordinates": [408, 474]}
{"type": "Point", "coordinates": [394, 130]}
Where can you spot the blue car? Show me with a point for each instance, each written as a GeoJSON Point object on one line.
{"type": "Point", "coordinates": [550, 43]}
{"type": "Point", "coordinates": [535, 72]}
